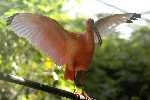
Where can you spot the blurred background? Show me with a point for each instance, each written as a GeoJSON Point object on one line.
{"type": "Point", "coordinates": [120, 69]}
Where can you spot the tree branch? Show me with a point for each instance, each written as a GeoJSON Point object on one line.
{"type": "Point", "coordinates": [39, 86]}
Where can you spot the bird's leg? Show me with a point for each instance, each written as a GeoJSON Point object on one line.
{"type": "Point", "coordinates": [75, 89]}
{"type": "Point", "coordinates": [86, 96]}
{"type": "Point", "coordinates": [75, 92]}
{"type": "Point", "coordinates": [83, 96]}
{"type": "Point", "coordinates": [79, 81]}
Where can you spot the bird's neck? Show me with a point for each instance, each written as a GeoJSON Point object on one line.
{"type": "Point", "coordinates": [89, 37]}
{"type": "Point", "coordinates": [89, 33]}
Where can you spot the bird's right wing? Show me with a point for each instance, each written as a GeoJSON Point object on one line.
{"type": "Point", "coordinates": [107, 24]}
{"type": "Point", "coordinates": [44, 33]}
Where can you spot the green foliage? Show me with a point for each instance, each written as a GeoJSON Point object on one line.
{"type": "Point", "coordinates": [120, 68]}
{"type": "Point", "coordinates": [18, 57]}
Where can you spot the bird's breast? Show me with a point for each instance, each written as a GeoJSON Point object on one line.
{"type": "Point", "coordinates": [79, 51]}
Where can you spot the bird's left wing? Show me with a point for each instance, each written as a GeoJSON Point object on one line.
{"type": "Point", "coordinates": [107, 24]}
{"type": "Point", "coordinates": [44, 33]}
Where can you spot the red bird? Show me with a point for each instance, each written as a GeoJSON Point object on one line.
{"type": "Point", "coordinates": [64, 47]}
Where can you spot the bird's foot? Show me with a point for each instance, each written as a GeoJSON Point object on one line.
{"type": "Point", "coordinates": [83, 96]}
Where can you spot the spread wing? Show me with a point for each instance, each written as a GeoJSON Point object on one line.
{"type": "Point", "coordinates": [44, 33]}
{"type": "Point", "coordinates": [107, 24]}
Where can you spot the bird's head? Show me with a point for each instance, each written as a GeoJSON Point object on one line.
{"type": "Point", "coordinates": [89, 23]}
{"type": "Point", "coordinates": [91, 27]}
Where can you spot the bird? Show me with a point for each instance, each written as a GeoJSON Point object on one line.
{"type": "Point", "coordinates": [74, 49]}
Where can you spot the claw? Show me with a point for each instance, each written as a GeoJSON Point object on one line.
{"type": "Point", "coordinates": [83, 96]}
{"type": "Point", "coordinates": [87, 97]}
{"type": "Point", "coordinates": [77, 95]}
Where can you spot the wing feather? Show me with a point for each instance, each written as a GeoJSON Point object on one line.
{"type": "Point", "coordinates": [44, 33]}
{"type": "Point", "coordinates": [107, 24]}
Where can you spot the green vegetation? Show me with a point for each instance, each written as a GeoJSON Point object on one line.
{"type": "Point", "coordinates": [120, 69]}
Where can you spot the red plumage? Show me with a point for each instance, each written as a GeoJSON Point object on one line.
{"type": "Point", "coordinates": [64, 47]}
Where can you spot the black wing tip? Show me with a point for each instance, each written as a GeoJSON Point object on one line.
{"type": "Point", "coordinates": [9, 19]}
{"type": "Point", "coordinates": [135, 16]}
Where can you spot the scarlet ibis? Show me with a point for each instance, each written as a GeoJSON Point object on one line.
{"type": "Point", "coordinates": [71, 48]}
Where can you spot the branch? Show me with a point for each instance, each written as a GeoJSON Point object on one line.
{"type": "Point", "coordinates": [39, 86]}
